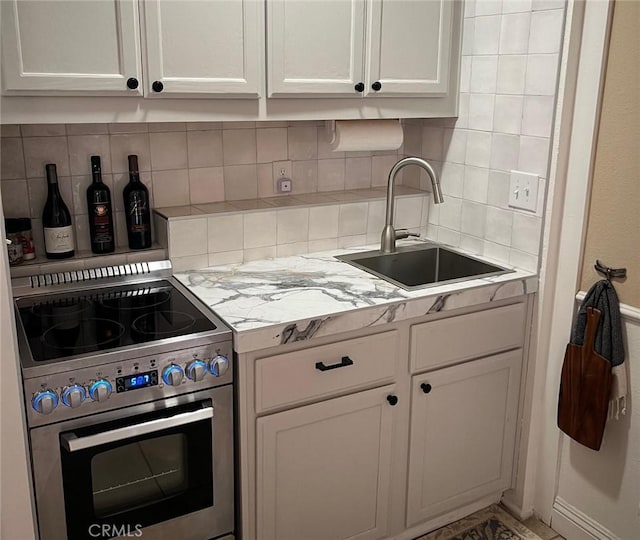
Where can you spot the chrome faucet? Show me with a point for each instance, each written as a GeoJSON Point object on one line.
{"type": "Point", "coordinates": [389, 234]}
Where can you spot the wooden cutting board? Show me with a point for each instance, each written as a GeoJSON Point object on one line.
{"type": "Point", "coordinates": [585, 386]}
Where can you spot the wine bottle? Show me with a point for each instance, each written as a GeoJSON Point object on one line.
{"type": "Point", "coordinates": [100, 212]}
{"type": "Point", "coordinates": [136, 208]}
{"type": "Point", "coordinates": [56, 220]}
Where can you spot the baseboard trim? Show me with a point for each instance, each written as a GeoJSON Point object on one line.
{"type": "Point", "coordinates": [509, 500]}
{"type": "Point", "coordinates": [572, 523]}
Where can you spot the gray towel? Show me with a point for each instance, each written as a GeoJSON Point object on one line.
{"type": "Point", "coordinates": [609, 342]}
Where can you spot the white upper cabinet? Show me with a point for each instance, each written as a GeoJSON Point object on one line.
{"type": "Point", "coordinates": [205, 47]}
{"type": "Point", "coordinates": [66, 46]}
{"type": "Point", "coordinates": [315, 47]}
{"type": "Point", "coordinates": [409, 46]}
{"type": "Point", "coordinates": [360, 47]}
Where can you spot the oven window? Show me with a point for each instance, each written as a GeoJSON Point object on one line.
{"type": "Point", "coordinates": [139, 474]}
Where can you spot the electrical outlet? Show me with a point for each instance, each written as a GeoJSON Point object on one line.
{"type": "Point", "coordinates": [523, 191]}
{"type": "Point", "coordinates": [284, 185]}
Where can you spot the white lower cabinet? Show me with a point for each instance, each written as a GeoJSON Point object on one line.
{"type": "Point", "coordinates": [323, 470]}
{"type": "Point", "coordinates": [463, 422]}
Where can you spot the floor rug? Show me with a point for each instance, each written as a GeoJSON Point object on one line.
{"type": "Point", "coordinates": [492, 523]}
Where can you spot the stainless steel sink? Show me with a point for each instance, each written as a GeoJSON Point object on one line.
{"type": "Point", "coordinates": [416, 267]}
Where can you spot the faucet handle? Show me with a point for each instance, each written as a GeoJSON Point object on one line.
{"type": "Point", "coordinates": [404, 233]}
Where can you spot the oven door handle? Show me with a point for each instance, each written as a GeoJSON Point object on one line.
{"type": "Point", "coordinates": [72, 443]}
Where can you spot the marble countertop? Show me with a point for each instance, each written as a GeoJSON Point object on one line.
{"type": "Point", "coordinates": [276, 301]}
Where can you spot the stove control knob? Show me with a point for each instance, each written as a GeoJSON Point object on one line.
{"type": "Point", "coordinates": [44, 402]}
{"type": "Point", "coordinates": [173, 375]}
{"type": "Point", "coordinates": [219, 365]}
{"type": "Point", "coordinates": [74, 395]}
{"type": "Point", "coordinates": [196, 370]}
{"type": "Point", "coordinates": [100, 390]}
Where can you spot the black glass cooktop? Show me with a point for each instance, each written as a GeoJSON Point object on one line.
{"type": "Point", "coordinates": [73, 324]}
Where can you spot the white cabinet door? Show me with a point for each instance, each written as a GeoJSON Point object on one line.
{"type": "Point", "coordinates": [67, 46]}
{"type": "Point", "coordinates": [315, 47]}
{"type": "Point", "coordinates": [203, 47]}
{"type": "Point", "coordinates": [462, 434]}
{"type": "Point", "coordinates": [323, 470]}
{"type": "Point", "coordinates": [409, 44]}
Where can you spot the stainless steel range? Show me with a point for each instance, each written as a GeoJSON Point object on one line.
{"type": "Point", "coordinates": [129, 394]}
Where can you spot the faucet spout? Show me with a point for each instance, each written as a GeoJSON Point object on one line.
{"type": "Point", "coordinates": [388, 240]}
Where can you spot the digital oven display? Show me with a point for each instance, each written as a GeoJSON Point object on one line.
{"type": "Point", "coordinates": [139, 380]}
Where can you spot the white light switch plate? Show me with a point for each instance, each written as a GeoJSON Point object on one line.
{"type": "Point", "coordinates": [523, 191]}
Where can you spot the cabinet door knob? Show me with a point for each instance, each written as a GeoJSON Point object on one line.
{"type": "Point", "coordinates": [359, 87]}
{"type": "Point", "coordinates": [157, 86]}
{"type": "Point", "coordinates": [132, 83]}
{"type": "Point", "coordinates": [346, 361]}
{"type": "Point", "coordinates": [393, 400]}
{"type": "Point", "coordinates": [376, 86]}
{"type": "Point", "coordinates": [426, 387]}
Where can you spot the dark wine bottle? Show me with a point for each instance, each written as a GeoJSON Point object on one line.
{"type": "Point", "coordinates": [56, 220]}
{"type": "Point", "coordinates": [136, 208]}
{"type": "Point", "coordinates": [100, 212]}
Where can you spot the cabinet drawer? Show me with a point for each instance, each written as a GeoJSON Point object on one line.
{"type": "Point", "coordinates": [317, 372]}
{"type": "Point", "coordinates": [446, 341]}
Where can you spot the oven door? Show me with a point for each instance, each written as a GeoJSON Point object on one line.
{"type": "Point", "coordinates": [147, 473]}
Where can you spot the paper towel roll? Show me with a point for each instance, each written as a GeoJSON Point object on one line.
{"type": "Point", "coordinates": [361, 135]}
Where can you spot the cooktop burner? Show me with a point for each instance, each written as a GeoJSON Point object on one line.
{"type": "Point", "coordinates": [63, 325]}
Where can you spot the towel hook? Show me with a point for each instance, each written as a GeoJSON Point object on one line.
{"type": "Point", "coordinates": [609, 272]}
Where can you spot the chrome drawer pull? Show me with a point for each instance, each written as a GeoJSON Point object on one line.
{"type": "Point", "coordinates": [346, 361]}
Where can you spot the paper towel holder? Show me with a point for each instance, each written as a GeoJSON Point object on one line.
{"type": "Point", "coordinates": [330, 126]}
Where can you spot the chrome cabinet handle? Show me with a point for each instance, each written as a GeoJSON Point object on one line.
{"type": "Point", "coordinates": [72, 443]}
{"type": "Point", "coordinates": [346, 361]}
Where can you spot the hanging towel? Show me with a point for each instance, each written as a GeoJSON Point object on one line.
{"type": "Point", "coordinates": [608, 343]}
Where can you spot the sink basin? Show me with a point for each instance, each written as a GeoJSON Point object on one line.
{"type": "Point", "coordinates": [416, 267]}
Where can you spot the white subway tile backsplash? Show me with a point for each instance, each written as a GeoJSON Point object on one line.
{"type": "Point", "coordinates": [271, 144]}
{"type": "Point", "coordinates": [323, 222]}
{"type": "Point", "coordinates": [463, 111]}
{"type": "Point", "coordinates": [227, 257]}
{"type": "Point", "coordinates": [534, 155]}
{"type": "Point", "coordinates": [541, 74]}
{"type": "Point", "coordinates": [499, 226]}
{"type": "Point", "coordinates": [468, 27]}
{"type": "Point", "coordinates": [357, 173]}
{"type": "Point", "coordinates": [38, 151]}
{"type": "Point", "coordinates": [260, 253]}
{"type": "Point", "coordinates": [204, 148]}
{"type": "Point", "coordinates": [507, 116]}
{"type": "Point", "coordinates": [478, 148]}
{"type": "Point", "coordinates": [303, 142]}
{"type": "Point", "coordinates": [353, 219]}
{"type": "Point", "coordinates": [15, 198]}
{"type": "Point", "coordinates": [87, 129]}
{"type": "Point", "coordinates": [538, 5]}
{"type": "Point", "coordinates": [516, 6]}
{"type": "Point", "coordinates": [449, 237]}
{"type": "Point", "coordinates": [481, 109]}
{"type": "Point", "coordinates": [408, 213]}
{"type": "Point", "coordinates": [546, 31]}
{"type": "Point", "coordinates": [488, 7]}
{"type": "Point", "coordinates": [206, 185]}
{"type": "Point", "coordinates": [512, 71]}
{"type": "Point", "coordinates": [12, 162]}
{"type": "Point", "coordinates": [10, 130]}
{"type": "Point", "coordinates": [331, 174]}
{"type": "Point", "coordinates": [161, 127]}
{"type": "Point", "coordinates": [225, 233]}
{"type": "Point", "coordinates": [499, 185]}
{"type": "Point", "coordinates": [171, 188]}
{"type": "Point", "coordinates": [451, 213]}
{"type": "Point", "coordinates": [505, 151]}
{"type": "Point", "coordinates": [82, 147]}
{"type": "Point", "coordinates": [526, 233]}
{"type": "Point", "coordinates": [239, 146]}
{"type": "Point", "coordinates": [188, 237]}
{"type": "Point", "coordinates": [128, 144]}
{"type": "Point", "coordinates": [476, 184]}
{"type": "Point", "coordinates": [305, 176]}
{"type": "Point", "coordinates": [240, 182]}
{"type": "Point", "coordinates": [455, 145]}
{"type": "Point", "coordinates": [465, 74]}
{"type": "Point", "coordinates": [486, 37]}
{"type": "Point", "coordinates": [168, 151]}
{"type": "Point", "coordinates": [289, 250]}
{"type": "Point", "coordinates": [470, 8]}
{"type": "Point", "coordinates": [260, 229]}
{"type": "Point", "coordinates": [128, 127]}
{"type": "Point", "coordinates": [452, 179]}
{"type": "Point", "coordinates": [43, 130]}
{"type": "Point", "coordinates": [514, 33]}
{"type": "Point", "coordinates": [497, 252]}
{"type": "Point", "coordinates": [323, 245]}
{"type": "Point", "coordinates": [292, 225]}
{"type": "Point", "coordinates": [352, 241]}
{"type": "Point", "coordinates": [526, 261]}
{"type": "Point", "coordinates": [484, 73]}
{"type": "Point", "coordinates": [537, 115]}
{"type": "Point", "coordinates": [473, 219]}
{"type": "Point", "coordinates": [471, 243]}
{"type": "Point", "coordinates": [192, 262]}
{"type": "Point", "coordinates": [376, 218]}
{"type": "Point", "coordinates": [380, 167]}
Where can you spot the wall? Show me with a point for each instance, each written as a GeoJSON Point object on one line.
{"type": "Point", "coordinates": [181, 163]}
{"type": "Point", "coordinates": [508, 90]}
{"type": "Point", "coordinates": [16, 515]}
{"type": "Point", "coordinates": [614, 215]}
{"type": "Point", "coordinates": [601, 490]}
